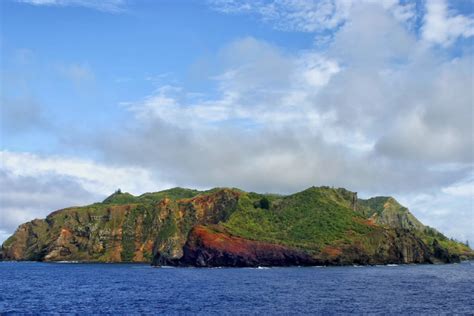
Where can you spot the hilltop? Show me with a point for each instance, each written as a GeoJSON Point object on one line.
{"type": "Point", "coordinates": [231, 227]}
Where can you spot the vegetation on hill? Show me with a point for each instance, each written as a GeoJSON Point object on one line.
{"type": "Point", "coordinates": [310, 219]}
{"type": "Point", "coordinates": [330, 225]}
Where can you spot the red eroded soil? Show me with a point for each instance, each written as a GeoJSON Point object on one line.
{"type": "Point", "coordinates": [208, 246]}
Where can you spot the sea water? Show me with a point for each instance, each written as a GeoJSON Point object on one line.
{"type": "Point", "coordinates": [31, 287]}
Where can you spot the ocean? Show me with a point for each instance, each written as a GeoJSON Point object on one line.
{"type": "Point", "coordinates": [58, 288]}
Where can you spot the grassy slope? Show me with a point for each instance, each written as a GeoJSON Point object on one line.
{"type": "Point", "coordinates": [151, 197]}
{"type": "Point", "coordinates": [309, 219]}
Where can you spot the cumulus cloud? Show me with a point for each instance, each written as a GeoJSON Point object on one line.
{"type": "Point", "coordinates": [111, 6]}
{"type": "Point", "coordinates": [443, 26]}
{"type": "Point", "coordinates": [437, 124]}
{"type": "Point", "coordinates": [282, 122]}
{"type": "Point", "coordinates": [258, 84]}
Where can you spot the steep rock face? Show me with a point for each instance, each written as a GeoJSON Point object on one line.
{"type": "Point", "coordinates": [26, 243]}
{"type": "Point", "coordinates": [387, 211]}
{"type": "Point", "coordinates": [406, 247]}
{"type": "Point", "coordinates": [118, 233]}
{"type": "Point", "coordinates": [441, 254]}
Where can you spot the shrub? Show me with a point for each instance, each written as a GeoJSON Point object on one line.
{"type": "Point", "coordinates": [264, 203]}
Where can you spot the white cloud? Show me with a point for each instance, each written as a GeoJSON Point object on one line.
{"type": "Point", "coordinates": [443, 26]}
{"type": "Point", "coordinates": [308, 15]}
{"type": "Point", "coordinates": [258, 83]}
{"type": "Point", "coordinates": [435, 117]}
{"type": "Point", "coordinates": [463, 188]}
{"type": "Point", "coordinates": [317, 70]}
{"type": "Point", "coordinates": [111, 6]}
{"type": "Point", "coordinates": [91, 176]}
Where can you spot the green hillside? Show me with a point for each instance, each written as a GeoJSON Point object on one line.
{"type": "Point", "coordinates": [326, 225]}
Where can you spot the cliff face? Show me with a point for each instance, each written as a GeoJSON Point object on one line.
{"type": "Point", "coordinates": [229, 227]}
{"type": "Point", "coordinates": [132, 232]}
{"type": "Point", "coordinates": [207, 246]}
{"type": "Point", "coordinates": [387, 211]}
{"type": "Point", "coordinates": [212, 246]}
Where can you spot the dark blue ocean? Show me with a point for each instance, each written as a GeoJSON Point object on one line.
{"type": "Point", "coordinates": [55, 288]}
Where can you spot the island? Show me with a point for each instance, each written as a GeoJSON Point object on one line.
{"type": "Point", "coordinates": [233, 228]}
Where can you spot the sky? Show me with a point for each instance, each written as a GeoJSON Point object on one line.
{"type": "Point", "coordinates": [263, 95]}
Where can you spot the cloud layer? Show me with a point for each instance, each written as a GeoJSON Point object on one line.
{"type": "Point", "coordinates": [317, 117]}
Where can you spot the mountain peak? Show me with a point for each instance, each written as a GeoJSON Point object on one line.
{"type": "Point", "coordinates": [119, 197]}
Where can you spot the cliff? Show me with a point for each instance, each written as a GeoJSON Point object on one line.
{"type": "Point", "coordinates": [230, 227]}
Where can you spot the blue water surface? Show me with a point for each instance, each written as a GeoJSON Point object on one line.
{"type": "Point", "coordinates": [40, 288]}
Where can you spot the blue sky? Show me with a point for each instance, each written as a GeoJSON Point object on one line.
{"type": "Point", "coordinates": [81, 62]}
{"type": "Point", "coordinates": [271, 96]}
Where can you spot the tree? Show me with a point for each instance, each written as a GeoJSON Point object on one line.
{"type": "Point", "coordinates": [264, 203]}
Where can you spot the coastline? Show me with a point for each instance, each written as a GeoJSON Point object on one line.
{"type": "Point", "coordinates": [237, 267]}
